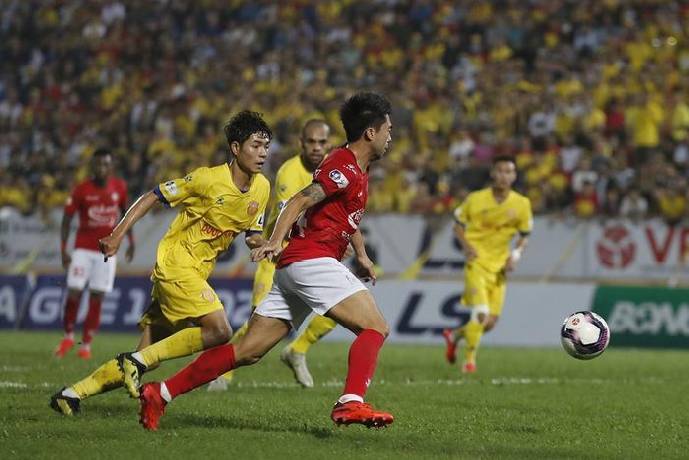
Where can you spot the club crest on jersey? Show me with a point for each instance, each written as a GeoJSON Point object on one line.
{"type": "Point", "coordinates": [171, 187]}
{"type": "Point", "coordinates": [338, 178]}
{"type": "Point", "coordinates": [252, 209]}
{"type": "Point", "coordinates": [187, 178]}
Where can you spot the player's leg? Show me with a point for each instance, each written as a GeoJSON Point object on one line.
{"type": "Point", "coordinates": [262, 335]}
{"type": "Point", "coordinates": [360, 314]}
{"type": "Point", "coordinates": [69, 320]}
{"type": "Point", "coordinates": [477, 285]}
{"type": "Point", "coordinates": [263, 280]}
{"type": "Point", "coordinates": [91, 323]}
{"type": "Point", "coordinates": [294, 354]}
{"type": "Point", "coordinates": [78, 274]}
{"type": "Point", "coordinates": [101, 282]}
{"type": "Point", "coordinates": [107, 377]}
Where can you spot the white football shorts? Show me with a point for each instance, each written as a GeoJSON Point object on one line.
{"type": "Point", "coordinates": [309, 285]}
{"type": "Point", "coordinates": [88, 267]}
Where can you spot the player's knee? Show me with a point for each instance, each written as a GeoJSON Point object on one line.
{"type": "Point", "coordinates": [217, 335]}
{"type": "Point", "coordinates": [381, 327]}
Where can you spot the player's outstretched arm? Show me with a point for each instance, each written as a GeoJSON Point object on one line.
{"type": "Point", "coordinates": [296, 205]}
{"type": "Point", "coordinates": [111, 243]}
{"type": "Point", "coordinates": [364, 261]}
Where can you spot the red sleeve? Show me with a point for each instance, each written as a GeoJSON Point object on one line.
{"type": "Point", "coordinates": [73, 201]}
{"type": "Point", "coordinates": [333, 176]}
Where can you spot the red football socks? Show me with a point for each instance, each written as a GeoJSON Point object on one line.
{"type": "Point", "coordinates": [71, 310]}
{"type": "Point", "coordinates": [208, 366]}
{"type": "Point", "coordinates": [92, 320]}
{"type": "Point", "coordinates": [363, 355]}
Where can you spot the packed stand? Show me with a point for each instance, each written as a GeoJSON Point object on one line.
{"type": "Point", "coordinates": [590, 96]}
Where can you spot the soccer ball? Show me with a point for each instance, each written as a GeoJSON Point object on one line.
{"type": "Point", "coordinates": [584, 335]}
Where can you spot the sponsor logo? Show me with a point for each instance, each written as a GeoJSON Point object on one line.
{"type": "Point", "coordinates": [102, 216]}
{"type": "Point", "coordinates": [220, 201]}
{"type": "Point", "coordinates": [252, 209]}
{"type": "Point", "coordinates": [208, 229]}
{"type": "Point", "coordinates": [351, 167]}
{"type": "Point", "coordinates": [171, 188]}
{"type": "Point", "coordinates": [616, 249]}
{"type": "Point", "coordinates": [340, 180]}
{"type": "Point", "coordinates": [354, 218]}
{"type": "Point", "coordinates": [260, 220]}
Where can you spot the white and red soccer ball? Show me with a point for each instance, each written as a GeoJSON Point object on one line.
{"type": "Point", "coordinates": [584, 335]}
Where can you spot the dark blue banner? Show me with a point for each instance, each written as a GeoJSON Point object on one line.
{"type": "Point", "coordinates": [39, 304]}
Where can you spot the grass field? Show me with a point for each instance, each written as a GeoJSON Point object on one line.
{"type": "Point", "coordinates": [533, 403]}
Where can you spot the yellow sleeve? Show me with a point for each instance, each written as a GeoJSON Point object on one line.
{"type": "Point", "coordinates": [176, 191]}
{"type": "Point", "coordinates": [462, 212]}
{"type": "Point", "coordinates": [526, 218]}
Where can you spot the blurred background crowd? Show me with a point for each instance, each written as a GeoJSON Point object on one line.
{"type": "Point", "coordinates": [591, 97]}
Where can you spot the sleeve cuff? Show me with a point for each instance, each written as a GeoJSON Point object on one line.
{"type": "Point", "coordinates": [161, 197]}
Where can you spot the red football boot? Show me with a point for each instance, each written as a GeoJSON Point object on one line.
{"type": "Point", "coordinates": [469, 368]}
{"type": "Point", "coordinates": [64, 346]}
{"type": "Point", "coordinates": [152, 405]}
{"type": "Point", "coordinates": [450, 346]}
{"type": "Point", "coordinates": [361, 413]}
{"type": "Point", "coordinates": [84, 353]}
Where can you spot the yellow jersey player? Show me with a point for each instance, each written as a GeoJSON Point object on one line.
{"type": "Point", "coordinates": [485, 224]}
{"type": "Point", "coordinates": [185, 314]}
{"type": "Point", "coordinates": [293, 176]}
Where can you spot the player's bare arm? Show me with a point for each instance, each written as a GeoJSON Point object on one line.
{"type": "Point", "coordinates": [469, 250]}
{"type": "Point", "coordinates": [64, 236]}
{"type": "Point", "coordinates": [296, 205]}
{"type": "Point", "coordinates": [129, 255]}
{"type": "Point", "coordinates": [516, 253]}
{"type": "Point", "coordinates": [366, 263]}
{"type": "Point", "coordinates": [111, 243]}
{"type": "Point", "coordinates": [254, 240]}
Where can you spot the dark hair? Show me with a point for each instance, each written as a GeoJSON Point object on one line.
{"type": "Point", "coordinates": [241, 126]}
{"type": "Point", "coordinates": [504, 159]}
{"type": "Point", "coordinates": [101, 152]}
{"type": "Point", "coordinates": [363, 111]}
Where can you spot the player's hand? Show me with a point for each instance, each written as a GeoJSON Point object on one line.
{"type": "Point", "coordinates": [470, 253]}
{"type": "Point", "coordinates": [66, 259]}
{"type": "Point", "coordinates": [109, 245]}
{"type": "Point", "coordinates": [129, 255]}
{"type": "Point", "coordinates": [270, 250]}
{"type": "Point", "coordinates": [367, 270]}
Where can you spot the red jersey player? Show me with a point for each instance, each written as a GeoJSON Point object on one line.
{"type": "Point", "coordinates": [99, 201]}
{"type": "Point", "coordinates": [310, 276]}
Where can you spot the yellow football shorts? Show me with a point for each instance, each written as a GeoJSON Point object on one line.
{"type": "Point", "coordinates": [177, 303]}
{"type": "Point", "coordinates": [482, 287]}
{"type": "Point", "coordinates": [263, 281]}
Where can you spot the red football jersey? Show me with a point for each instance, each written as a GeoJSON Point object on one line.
{"type": "Point", "coordinates": [99, 210]}
{"type": "Point", "coordinates": [326, 228]}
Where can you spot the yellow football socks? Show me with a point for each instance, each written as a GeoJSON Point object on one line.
{"type": "Point", "coordinates": [105, 378]}
{"type": "Point", "coordinates": [317, 328]}
{"type": "Point", "coordinates": [183, 343]}
{"type": "Point", "coordinates": [472, 334]}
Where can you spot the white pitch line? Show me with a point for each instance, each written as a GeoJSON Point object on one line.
{"type": "Point", "coordinates": [498, 381]}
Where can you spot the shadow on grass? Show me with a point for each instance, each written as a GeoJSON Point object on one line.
{"type": "Point", "coordinates": [181, 421]}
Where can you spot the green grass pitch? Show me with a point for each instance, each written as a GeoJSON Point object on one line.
{"type": "Point", "coordinates": [524, 403]}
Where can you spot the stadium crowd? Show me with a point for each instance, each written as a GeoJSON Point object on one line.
{"type": "Point", "coordinates": [590, 96]}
